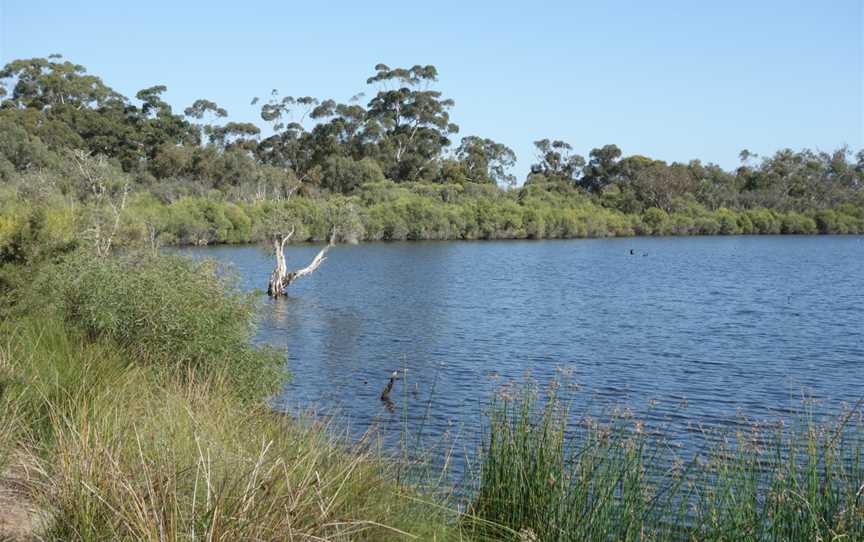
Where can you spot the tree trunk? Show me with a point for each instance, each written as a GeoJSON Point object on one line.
{"type": "Point", "coordinates": [281, 278]}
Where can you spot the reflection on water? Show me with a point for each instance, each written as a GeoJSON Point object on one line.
{"type": "Point", "coordinates": [700, 330]}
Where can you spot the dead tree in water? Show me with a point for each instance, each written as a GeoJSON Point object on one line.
{"type": "Point", "coordinates": [281, 278]}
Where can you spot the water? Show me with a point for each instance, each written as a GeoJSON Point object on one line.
{"type": "Point", "coordinates": [686, 331]}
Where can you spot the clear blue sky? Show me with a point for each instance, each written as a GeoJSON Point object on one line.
{"type": "Point", "coordinates": [672, 80]}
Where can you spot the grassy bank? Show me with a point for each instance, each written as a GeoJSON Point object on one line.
{"type": "Point", "coordinates": [139, 411]}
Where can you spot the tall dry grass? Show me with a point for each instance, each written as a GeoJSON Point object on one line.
{"type": "Point", "coordinates": [126, 454]}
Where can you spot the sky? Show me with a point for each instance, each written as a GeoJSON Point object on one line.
{"type": "Point", "coordinates": [674, 80]}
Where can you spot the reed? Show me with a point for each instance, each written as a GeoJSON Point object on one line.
{"type": "Point", "coordinates": [616, 482]}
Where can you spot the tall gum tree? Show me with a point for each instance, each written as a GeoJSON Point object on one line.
{"type": "Point", "coordinates": [408, 121]}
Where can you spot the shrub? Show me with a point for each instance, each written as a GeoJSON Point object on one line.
{"type": "Point", "coordinates": [796, 223]}
{"type": "Point", "coordinates": [343, 174]}
{"type": "Point", "coordinates": [655, 220]}
{"type": "Point", "coordinates": [166, 311]}
{"type": "Point", "coordinates": [707, 225]}
{"type": "Point", "coordinates": [682, 224]}
{"type": "Point", "coordinates": [827, 222]}
{"type": "Point", "coordinates": [728, 221]}
{"type": "Point", "coordinates": [764, 221]}
{"type": "Point", "coordinates": [745, 225]}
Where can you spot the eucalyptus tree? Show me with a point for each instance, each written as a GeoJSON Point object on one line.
{"type": "Point", "coordinates": [236, 135]}
{"type": "Point", "coordinates": [408, 121]}
{"type": "Point", "coordinates": [486, 161]}
{"type": "Point", "coordinates": [206, 111]}
{"type": "Point", "coordinates": [339, 130]}
{"type": "Point", "coordinates": [715, 187]}
{"type": "Point", "coordinates": [157, 124]}
{"type": "Point", "coordinates": [662, 186]}
{"type": "Point", "coordinates": [289, 145]}
{"type": "Point", "coordinates": [838, 169]}
{"type": "Point", "coordinates": [65, 107]}
{"type": "Point", "coordinates": [51, 83]}
{"type": "Point", "coordinates": [785, 180]}
{"type": "Point", "coordinates": [858, 182]}
{"type": "Point", "coordinates": [602, 169]}
{"type": "Point", "coordinates": [556, 162]}
{"type": "Point", "coordinates": [802, 180]}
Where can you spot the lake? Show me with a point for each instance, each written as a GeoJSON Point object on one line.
{"type": "Point", "coordinates": [685, 331]}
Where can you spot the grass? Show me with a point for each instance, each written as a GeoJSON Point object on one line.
{"type": "Point", "coordinates": [615, 482]}
{"type": "Point", "coordinates": [125, 454]}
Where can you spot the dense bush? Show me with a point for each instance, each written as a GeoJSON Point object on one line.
{"type": "Point", "coordinates": [376, 211]}
{"type": "Point", "coordinates": [166, 311]}
{"type": "Point", "coordinates": [389, 212]}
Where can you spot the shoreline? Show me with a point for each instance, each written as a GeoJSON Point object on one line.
{"type": "Point", "coordinates": [316, 242]}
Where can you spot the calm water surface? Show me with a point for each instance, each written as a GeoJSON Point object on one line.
{"type": "Point", "coordinates": [686, 331]}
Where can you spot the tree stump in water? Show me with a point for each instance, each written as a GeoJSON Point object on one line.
{"type": "Point", "coordinates": [281, 278]}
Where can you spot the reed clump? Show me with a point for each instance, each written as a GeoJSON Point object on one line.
{"type": "Point", "coordinates": [615, 481]}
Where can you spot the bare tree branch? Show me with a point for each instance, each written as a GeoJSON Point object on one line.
{"type": "Point", "coordinates": [281, 278]}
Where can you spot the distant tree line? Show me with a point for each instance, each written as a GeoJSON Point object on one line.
{"type": "Point", "coordinates": [386, 167]}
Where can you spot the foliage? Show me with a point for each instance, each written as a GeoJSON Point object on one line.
{"type": "Point", "coordinates": [116, 452]}
{"type": "Point", "coordinates": [615, 481]}
{"type": "Point", "coordinates": [165, 311]}
{"type": "Point", "coordinates": [201, 178]}
{"type": "Point", "coordinates": [130, 392]}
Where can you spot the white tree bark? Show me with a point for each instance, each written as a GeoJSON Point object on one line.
{"type": "Point", "coordinates": [108, 206]}
{"type": "Point", "coordinates": [281, 278]}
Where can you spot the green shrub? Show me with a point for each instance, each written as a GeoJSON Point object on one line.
{"type": "Point", "coordinates": [241, 224]}
{"type": "Point", "coordinates": [728, 221]}
{"type": "Point", "coordinates": [166, 311]}
{"type": "Point", "coordinates": [707, 225]}
{"type": "Point", "coordinates": [796, 223]}
{"type": "Point", "coordinates": [764, 221]}
{"type": "Point", "coordinates": [655, 220]}
{"type": "Point", "coordinates": [745, 225]}
{"type": "Point", "coordinates": [826, 221]}
{"type": "Point", "coordinates": [682, 224]}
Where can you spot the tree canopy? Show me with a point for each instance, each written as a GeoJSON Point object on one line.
{"type": "Point", "coordinates": [402, 135]}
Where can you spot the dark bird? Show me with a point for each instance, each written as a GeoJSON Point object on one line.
{"type": "Point", "coordinates": [631, 252]}
{"type": "Point", "coordinates": [385, 395]}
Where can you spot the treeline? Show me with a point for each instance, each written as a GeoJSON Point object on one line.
{"type": "Point", "coordinates": [117, 170]}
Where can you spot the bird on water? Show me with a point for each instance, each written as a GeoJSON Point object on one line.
{"type": "Point", "coordinates": [385, 395]}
